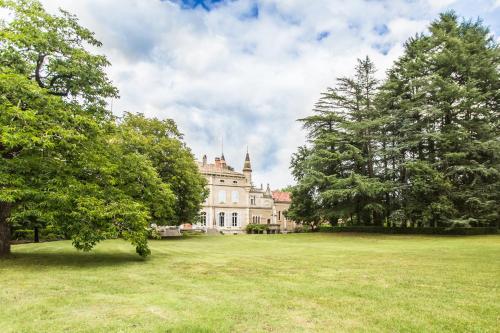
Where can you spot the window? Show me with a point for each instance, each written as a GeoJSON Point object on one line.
{"type": "Point", "coordinates": [234, 220]}
{"type": "Point", "coordinates": [203, 219]}
{"type": "Point", "coordinates": [235, 196]}
{"type": "Point", "coordinates": [222, 196]}
{"type": "Point", "coordinates": [235, 182]}
{"type": "Point", "coordinates": [268, 221]}
{"type": "Point", "coordinates": [252, 200]}
{"type": "Point", "coordinates": [279, 215]}
{"type": "Point", "coordinates": [221, 219]}
{"type": "Point", "coordinates": [222, 180]}
{"type": "Point", "coordinates": [256, 219]}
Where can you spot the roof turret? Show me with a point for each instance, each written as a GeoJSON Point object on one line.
{"type": "Point", "coordinates": [247, 166]}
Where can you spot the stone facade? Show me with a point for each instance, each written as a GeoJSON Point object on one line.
{"type": "Point", "coordinates": [234, 202]}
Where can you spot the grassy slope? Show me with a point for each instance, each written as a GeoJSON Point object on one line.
{"type": "Point", "coordinates": [256, 283]}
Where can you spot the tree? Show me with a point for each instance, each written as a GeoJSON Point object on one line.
{"type": "Point", "coordinates": [161, 142]}
{"type": "Point", "coordinates": [442, 97]}
{"type": "Point", "coordinates": [340, 166]}
{"type": "Point", "coordinates": [421, 149]}
{"type": "Point", "coordinates": [59, 160]}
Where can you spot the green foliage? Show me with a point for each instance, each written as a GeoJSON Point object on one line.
{"type": "Point", "coordinates": [253, 228]}
{"type": "Point", "coordinates": [65, 161]}
{"type": "Point", "coordinates": [420, 149]}
{"type": "Point", "coordinates": [160, 141]}
{"type": "Point", "coordinates": [337, 174]}
{"type": "Point", "coordinates": [52, 50]}
{"type": "Point", "coordinates": [454, 230]}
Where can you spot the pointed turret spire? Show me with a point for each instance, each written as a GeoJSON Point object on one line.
{"type": "Point", "coordinates": [247, 166]}
{"type": "Point", "coordinates": [222, 149]}
{"type": "Point", "coordinates": [247, 169]}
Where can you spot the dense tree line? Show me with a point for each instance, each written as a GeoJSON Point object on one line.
{"type": "Point", "coordinates": [421, 148]}
{"type": "Point", "coordinates": [65, 161]}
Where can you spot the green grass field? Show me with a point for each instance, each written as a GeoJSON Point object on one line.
{"type": "Point", "coordinates": [256, 283]}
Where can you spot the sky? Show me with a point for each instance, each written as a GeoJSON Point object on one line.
{"type": "Point", "coordinates": [244, 71]}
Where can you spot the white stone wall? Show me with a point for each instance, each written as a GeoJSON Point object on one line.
{"type": "Point", "coordinates": [234, 186]}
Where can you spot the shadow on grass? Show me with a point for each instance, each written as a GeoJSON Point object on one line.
{"type": "Point", "coordinates": [179, 238]}
{"type": "Point", "coordinates": [75, 259]}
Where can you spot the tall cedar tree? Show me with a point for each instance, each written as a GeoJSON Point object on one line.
{"type": "Point", "coordinates": [338, 172]}
{"type": "Point", "coordinates": [422, 149]}
{"type": "Point", "coordinates": [442, 97]}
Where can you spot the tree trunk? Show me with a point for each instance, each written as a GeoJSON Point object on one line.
{"type": "Point", "coordinates": [5, 208]}
{"type": "Point", "coordinates": [36, 233]}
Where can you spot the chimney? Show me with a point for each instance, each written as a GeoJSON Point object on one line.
{"type": "Point", "coordinates": [217, 162]}
{"type": "Point", "coordinates": [204, 160]}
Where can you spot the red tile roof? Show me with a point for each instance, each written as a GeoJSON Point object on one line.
{"type": "Point", "coordinates": [282, 196]}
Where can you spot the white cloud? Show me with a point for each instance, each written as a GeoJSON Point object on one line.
{"type": "Point", "coordinates": [247, 80]}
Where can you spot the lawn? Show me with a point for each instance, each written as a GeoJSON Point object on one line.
{"type": "Point", "coordinates": [256, 283]}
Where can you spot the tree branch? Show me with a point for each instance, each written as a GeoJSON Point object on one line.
{"type": "Point", "coordinates": [39, 64]}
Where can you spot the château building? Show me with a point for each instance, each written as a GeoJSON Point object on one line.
{"type": "Point", "coordinates": [234, 202]}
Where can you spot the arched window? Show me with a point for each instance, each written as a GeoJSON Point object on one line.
{"type": "Point", "coordinates": [235, 196]}
{"type": "Point", "coordinates": [234, 219]}
{"type": "Point", "coordinates": [222, 196]}
{"type": "Point", "coordinates": [203, 219]}
{"type": "Point", "coordinates": [221, 219]}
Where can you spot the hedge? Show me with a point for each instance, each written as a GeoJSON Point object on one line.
{"type": "Point", "coordinates": [45, 234]}
{"type": "Point", "coordinates": [256, 228]}
{"type": "Point", "coordinates": [413, 231]}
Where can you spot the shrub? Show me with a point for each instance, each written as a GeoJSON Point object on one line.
{"type": "Point", "coordinates": [23, 234]}
{"type": "Point", "coordinates": [256, 228]}
{"type": "Point", "coordinates": [325, 228]}
{"type": "Point", "coordinates": [418, 230]}
{"type": "Point", "coordinates": [302, 228]}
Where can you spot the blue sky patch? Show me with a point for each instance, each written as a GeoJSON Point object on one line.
{"type": "Point", "coordinates": [381, 29]}
{"type": "Point", "coordinates": [322, 35]}
{"type": "Point", "coordinates": [207, 5]}
{"type": "Point", "coordinates": [383, 48]}
{"type": "Point", "coordinates": [252, 13]}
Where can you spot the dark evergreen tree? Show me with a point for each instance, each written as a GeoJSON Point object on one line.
{"type": "Point", "coordinates": [341, 165]}
{"type": "Point", "coordinates": [442, 97]}
{"type": "Point", "coordinates": [421, 150]}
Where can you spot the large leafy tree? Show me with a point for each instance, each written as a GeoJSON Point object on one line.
{"type": "Point", "coordinates": [59, 159]}
{"type": "Point", "coordinates": [161, 142]}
